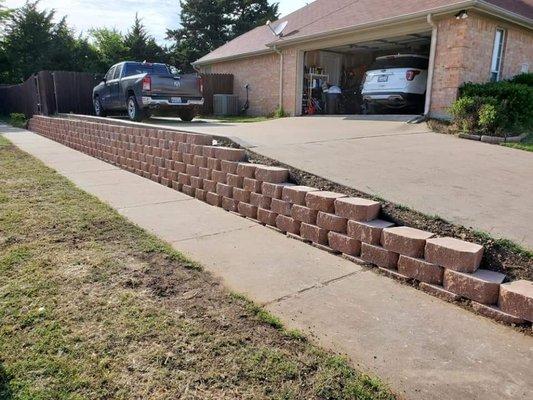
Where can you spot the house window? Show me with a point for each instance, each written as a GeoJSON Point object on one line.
{"type": "Point", "coordinates": [497, 55]}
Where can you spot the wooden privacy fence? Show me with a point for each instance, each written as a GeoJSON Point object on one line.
{"type": "Point", "coordinates": [215, 84]}
{"type": "Point", "coordinates": [51, 92]}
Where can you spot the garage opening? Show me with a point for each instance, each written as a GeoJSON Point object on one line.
{"type": "Point", "coordinates": [384, 76]}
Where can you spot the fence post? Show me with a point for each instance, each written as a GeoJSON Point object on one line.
{"type": "Point", "coordinates": [55, 92]}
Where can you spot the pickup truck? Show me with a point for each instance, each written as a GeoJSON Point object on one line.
{"type": "Point", "coordinates": [144, 89]}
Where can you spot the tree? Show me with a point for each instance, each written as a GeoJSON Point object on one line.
{"type": "Point", "coordinates": [208, 24]}
{"type": "Point", "coordinates": [109, 45]}
{"type": "Point", "coordinates": [246, 15]}
{"type": "Point", "coordinates": [204, 27]}
{"type": "Point", "coordinates": [141, 46]}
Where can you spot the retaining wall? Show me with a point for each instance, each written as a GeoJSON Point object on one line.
{"type": "Point", "coordinates": [444, 267]}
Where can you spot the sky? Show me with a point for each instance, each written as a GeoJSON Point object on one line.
{"type": "Point", "coordinates": [157, 15]}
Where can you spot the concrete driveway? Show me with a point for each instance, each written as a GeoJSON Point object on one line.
{"type": "Point", "coordinates": [473, 184]}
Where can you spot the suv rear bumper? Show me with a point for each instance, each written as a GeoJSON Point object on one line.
{"type": "Point", "coordinates": [394, 99]}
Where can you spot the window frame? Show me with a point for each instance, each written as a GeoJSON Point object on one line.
{"type": "Point", "coordinates": [498, 53]}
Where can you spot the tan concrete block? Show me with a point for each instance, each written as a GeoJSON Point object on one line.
{"type": "Point", "coordinates": [230, 154]}
{"type": "Point", "coordinates": [439, 291]}
{"type": "Point", "coordinates": [260, 200]}
{"type": "Point", "coordinates": [331, 222]}
{"type": "Point", "coordinates": [224, 190]}
{"type": "Point", "coordinates": [253, 185]}
{"type": "Point", "coordinates": [210, 186]}
{"type": "Point", "coordinates": [420, 270]}
{"type": "Point", "coordinates": [213, 199]}
{"type": "Point", "coordinates": [296, 194]}
{"type": "Point", "coordinates": [314, 233]}
{"type": "Point", "coordinates": [271, 174]}
{"type": "Point", "coordinates": [229, 167]}
{"type": "Point", "coordinates": [404, 240]}
{"type": "Point", "coordinates": [274, 190]}
{"type": "Point", "coordinates": [368, 232]}
{"type": "Point", "coordinates": [235, 180]}
{"type": "Point", "coordinates": [288, 224]}
{"type": "Point", "coordinates": [357, 209]}
{"type": "Point", "coordinates": [322, 200]}
{"type": "Point", "coordinates": [379, 256]}
{"type": "Point", "coordinates": [281, 207]}
{"type": "Point", "coordinates": [246, 170]}
{"type": "Point", "coordinates": [454, 254]}
{"type": "Point", "coordinates": [344, 244]}
{"type": "Point", "coordinates": [495, 313]}
{"type": "Point", "coordinates": [230, 204]}
{"type": "Point", "coordinates": [516, 298]}
{"type": "Point", "coordinates": [304, 214]}
{"type": "Point", "coordinates": [241, 195]}
{"type": "Point", "coordinates": [266, 216]}
{"type": "Point", "coordinates": [247, 210]}
{"type": "Point", "coordinates": [482, 286]}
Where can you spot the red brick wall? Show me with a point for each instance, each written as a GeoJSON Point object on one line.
{"type": "Point", "coordinates": [464, 54]}
{"type": "Point", "coordinates": [262, 74]}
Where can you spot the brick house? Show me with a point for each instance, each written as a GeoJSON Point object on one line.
{"type": "Point", "coordinates": [465, 41]}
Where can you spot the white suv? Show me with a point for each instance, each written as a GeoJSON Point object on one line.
{"type": "Point", "coordinates": [396, 82]}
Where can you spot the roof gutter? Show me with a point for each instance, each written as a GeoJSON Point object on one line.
{"type": "Point", "coordinates": [266, 51]}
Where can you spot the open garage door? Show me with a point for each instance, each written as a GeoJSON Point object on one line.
{"type": "Point", "coordinates": [382, 76]}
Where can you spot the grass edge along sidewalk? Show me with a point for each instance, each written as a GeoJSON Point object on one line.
{"type": "Point", "coordinates": [94, 307]}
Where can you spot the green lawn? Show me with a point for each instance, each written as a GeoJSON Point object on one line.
{"type": "Point", "coordinates": [92, 307]}
{"type": "Point", "coordinates": [526, 144]}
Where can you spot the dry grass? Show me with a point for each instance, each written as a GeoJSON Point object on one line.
{"type": "Point", "coordinates": [92, 307]}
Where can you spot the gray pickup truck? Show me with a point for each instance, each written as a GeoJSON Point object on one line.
{"type": "Point", "coordinates": [145, 89]}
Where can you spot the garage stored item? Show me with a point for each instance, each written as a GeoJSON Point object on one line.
{"type": "Point", "coordinates": [225, 104]}
{"type": "Point", "coordinates": [332, 102]}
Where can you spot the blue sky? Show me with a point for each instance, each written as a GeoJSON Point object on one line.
{"type": "Point", "coordinates": [156, 14]}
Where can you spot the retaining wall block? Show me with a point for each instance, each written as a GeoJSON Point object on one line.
{"type": "Point", "coordinates": [454, 254]}
{"type": "Point", "coordinates": [331, 222]}
{"type": "Point", "coordinates": [420, 270]}
{"type": "Point", "coordinates": [404, 240]}
{"type": "Point", "coordinates": [314, 234]}
{"type": "Point", "coordinates": [379, 256]}
{"type": "Point", "coordinates": [296, 194]}
{"type": "Point", "coordinates": [271, 174]}
{"type": "Point", "coordinates": [357, 209]}
{"type": "Point", "coordinates": [322, 200]}
{"type": "Point", "coordinates": [516, 298]}
{"type": "Point", "coordinates": [288, 224]}
{"type": "Point", "coordinates": [344, 244]}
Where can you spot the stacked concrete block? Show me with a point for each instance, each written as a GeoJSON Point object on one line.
{"type": "Point", "coordinates": [190, 163]}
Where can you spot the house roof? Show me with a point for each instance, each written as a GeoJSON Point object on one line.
{"type": "Point", "coordinates": [324, 16]}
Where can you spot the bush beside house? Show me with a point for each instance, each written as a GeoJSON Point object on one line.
{"type": "Point", "coordinates": [495, 108]}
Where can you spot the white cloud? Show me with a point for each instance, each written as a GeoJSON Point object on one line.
{"type": "Point", "coordinates": [157, 15]}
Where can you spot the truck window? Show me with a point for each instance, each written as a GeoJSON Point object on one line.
{"type": "Point", "coordinates": [116, 75]}
{"type": "Point", "coordinates": [140, 68]}
{"type": "Point", "coordinates": [110, 73]}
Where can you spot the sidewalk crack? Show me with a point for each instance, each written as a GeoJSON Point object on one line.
{"type": "Point", "coordinates": [312, 287]}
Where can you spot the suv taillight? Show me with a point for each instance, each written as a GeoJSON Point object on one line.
{"type": "Point", "coordinates": [410, 75]}
{"type": "Point", "coordinates": [147, 83]}
{"type": "Point", "coordinates": [200, 84]}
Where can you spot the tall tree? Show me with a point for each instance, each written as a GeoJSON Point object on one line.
{"type": "Point", "coordinates": [109, 45]}
{"type": "Point", "coordinates": [246, 15]}
{"type": "Point", "coordinates": [208, 24]}
{"type": "Point", "coordinates": [204, 27]}
{"type": "Point", "coordinates": [141, 46]}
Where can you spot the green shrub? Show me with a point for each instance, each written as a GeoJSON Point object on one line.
{"type": "Point", "coordinates": [464, 113]}
{"type": "Point", "coordinates": [489, 118]}
{"type": "Point", "coordinates": [523, 79]}
{"type": "Point", "coordinates": [479, 115]}
{"type": "Point", "coordinates": [18, 120]}
{"type": "Point", "coordinates": [516, 100]}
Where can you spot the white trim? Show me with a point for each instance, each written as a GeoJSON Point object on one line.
{"type": "Point", "coordinates": [431, 67]}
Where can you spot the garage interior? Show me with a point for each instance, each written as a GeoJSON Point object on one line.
{"type": "Point", "coordinates": [344, 68]}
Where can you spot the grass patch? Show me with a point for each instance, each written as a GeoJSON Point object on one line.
{"type": "Point", "coordinates": [93, 307]}
{"type": "Point", "coordinates": [526, 144]}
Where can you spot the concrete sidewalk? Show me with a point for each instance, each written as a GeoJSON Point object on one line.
{"type": "Point", "coordinates": [425, 348]}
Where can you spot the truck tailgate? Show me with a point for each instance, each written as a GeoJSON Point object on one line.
{"type": "Point", "coordinates": [182, 85]}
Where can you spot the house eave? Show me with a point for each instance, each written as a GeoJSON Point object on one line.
{"type": "Point", "coordinates": [266, 51]}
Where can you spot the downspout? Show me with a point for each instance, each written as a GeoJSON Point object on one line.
{"type": "Point", "coordinates": [431, 68]}
{"type": "Point", "coordinates": [280, 75]}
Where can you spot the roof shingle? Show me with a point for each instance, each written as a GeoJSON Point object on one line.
{"type": "Point", "coordinates": [323, 16]}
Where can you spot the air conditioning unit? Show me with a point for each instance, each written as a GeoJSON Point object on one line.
{"type": "Point", "coordinates": [226, 104]}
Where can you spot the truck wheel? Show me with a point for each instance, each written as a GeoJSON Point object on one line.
{"type": "Point", "coordinates": [99, 110]}
{"type": "Point", "coordinates": [134, 111]}
{"type": "Point", "coordinates": [187, 115]}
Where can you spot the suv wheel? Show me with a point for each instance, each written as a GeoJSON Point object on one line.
{"type": "Point", "coordinates": [99, 110]}
{"type": "Point", "coordinates": [134, 111]}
